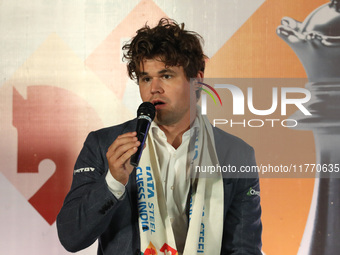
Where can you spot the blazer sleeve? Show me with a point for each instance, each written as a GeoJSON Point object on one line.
{"type": "Point", "coordinates": [89, 205]}
{"type": "Point", "coordinates": [242, 224]}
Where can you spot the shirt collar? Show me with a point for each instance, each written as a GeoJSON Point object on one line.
{"type": "Point", "coordinates": [159, 134]}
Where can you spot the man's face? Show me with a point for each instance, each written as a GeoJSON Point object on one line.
{"type": "Point", "coordinates": [169, 90]}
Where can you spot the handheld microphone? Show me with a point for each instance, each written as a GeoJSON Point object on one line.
{"type": "Point", "coordinates": [145, 115]}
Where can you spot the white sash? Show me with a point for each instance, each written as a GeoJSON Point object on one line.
{"type": "Point", "coordinates": [206, 203]}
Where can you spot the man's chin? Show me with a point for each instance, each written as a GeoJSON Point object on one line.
{"type": "Point", "coordinates": [162, 119]}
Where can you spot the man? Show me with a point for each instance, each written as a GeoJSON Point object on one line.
{"type": "Point", "coordinates": [160, 206]}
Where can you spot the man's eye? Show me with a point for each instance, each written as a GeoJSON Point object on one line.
{"type": "Point", "coordinates": [167, 76]}
{"type": "Point", "coordinates": [146, 79]}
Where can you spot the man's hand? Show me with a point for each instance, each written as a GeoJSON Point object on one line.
{"type": "Point", "coordinates": [118, 155]}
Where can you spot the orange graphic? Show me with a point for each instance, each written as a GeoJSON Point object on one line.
{"type": "Point", "coordinates": [151, 250]}
{"type": "Point", "coordinates": [255, 51]}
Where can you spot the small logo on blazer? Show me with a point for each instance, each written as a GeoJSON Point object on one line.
{"type": "Point", "coordinates": [253, 192]}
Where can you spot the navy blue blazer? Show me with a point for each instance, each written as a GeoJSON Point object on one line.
{"type": "Point", "coordinates": [90, 211]}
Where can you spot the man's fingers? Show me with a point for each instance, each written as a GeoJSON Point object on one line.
{"type": "Point", "coordinates": [127, 155]}
{"type": "Point", "coordinates": [121, 140]}
{"type": "Point", "coordinates": [117, 152]}
{"type": "Point", "coordinates": [123, 137]}
{"type": "Point", "coordinates": [134, 133]}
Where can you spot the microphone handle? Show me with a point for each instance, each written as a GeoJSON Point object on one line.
{"type": "Point", "coordinates": [143, 126]}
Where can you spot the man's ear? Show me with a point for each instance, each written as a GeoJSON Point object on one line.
{"type": "Point", "coordinates": [200, 74]}
{"type": "Point", "coordinates": [198, 85]}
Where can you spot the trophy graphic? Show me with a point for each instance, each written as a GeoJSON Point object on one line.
{"type": "Point", "coordinates": [316, 41]}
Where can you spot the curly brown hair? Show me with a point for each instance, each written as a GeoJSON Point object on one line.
{"type": "Point", "coordinates": [168, 41]}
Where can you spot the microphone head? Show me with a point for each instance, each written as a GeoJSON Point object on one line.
{"type": "Point", "coordinates": [147, 109]}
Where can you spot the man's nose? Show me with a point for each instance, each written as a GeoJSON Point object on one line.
{"type": "Point", "coordinates": [156, 86]}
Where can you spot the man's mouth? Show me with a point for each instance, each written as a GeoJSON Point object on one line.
{"type": "Point", "coordinates": [158, 103]}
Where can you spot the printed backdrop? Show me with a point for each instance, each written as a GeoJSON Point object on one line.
{"type": "Point", "coordinates": [61, 76]}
